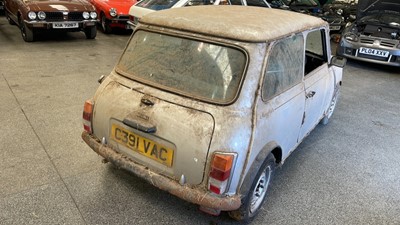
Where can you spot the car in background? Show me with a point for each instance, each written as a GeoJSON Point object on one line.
{"type": "Point", "coordinates": [206, 101]}
{"type": "Point", "coordinates": [144, 7]}
{"type": "Point", "coordinates": [1, 5]}
{"type": "Point", "coordinates": [338, 13]}
{"type": "Point", "coordinates": [33, 16]}
{"type": "Point", "coordinates": [375, 35]}
{"type": "Point", "coordinates": [113, 13]}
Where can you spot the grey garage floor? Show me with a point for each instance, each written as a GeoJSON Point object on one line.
{"type": "Point", "coordinates": [347, 172]}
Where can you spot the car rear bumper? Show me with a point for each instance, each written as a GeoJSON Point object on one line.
{"type": "Point", "coordinates": [193, 195]}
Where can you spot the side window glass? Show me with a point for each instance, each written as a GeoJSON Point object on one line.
{"type": "Point", "coordinates": [284, 67]}
{"type": "Point", "coordinates": [235, 2]}
{"type": "Point", "coordinates": [199, 2]}
{"type": "Point", "coordinates": [315, 50]}
{"type": "Point", "coordinates": [256, 3]}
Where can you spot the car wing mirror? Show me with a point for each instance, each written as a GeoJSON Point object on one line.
{"type": "Point", "coordinates": [338, 61]}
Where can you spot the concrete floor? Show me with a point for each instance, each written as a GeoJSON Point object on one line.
{"type": "Point", "coordinates": [344, 173]}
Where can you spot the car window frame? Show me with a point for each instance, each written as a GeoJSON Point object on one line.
{"type": "Point", "coordinates": [265, 68]}
{"type": "Point", "coordinates": [203, 38]}
{"type": "Point", "coordinates": [324, 56]}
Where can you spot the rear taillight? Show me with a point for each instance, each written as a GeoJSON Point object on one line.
{"type": "Point", "coordinates": [87, 116]}
{"type": "Point", "coordinates": [220, 172]}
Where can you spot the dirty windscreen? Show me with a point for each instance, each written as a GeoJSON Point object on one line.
{"type": "Point", "coordinates": [189, 67]}
{"type": "Point", "coordinates": [157, 4]}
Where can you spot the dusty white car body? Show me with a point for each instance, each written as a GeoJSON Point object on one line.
{"type": "Point", "coordinates": [144, 7]}
{"type": "Point", "coordinates": [251, 125]}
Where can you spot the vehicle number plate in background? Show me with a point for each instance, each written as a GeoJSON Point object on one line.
{"type": "Point", "coordinates": [334, 27]}
{"type": "Point", "coordinates": [65, 25]}
{"type": "Point", "coordinates": [142, 145]}
{"type": "Point", "coordinates": [374, 52]}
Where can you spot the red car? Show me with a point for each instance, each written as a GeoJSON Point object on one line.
{"type": "Point", "coordinates": [113, 13]}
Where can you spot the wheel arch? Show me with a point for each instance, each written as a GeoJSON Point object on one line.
{"type": "Point", "coordinates": [271, 147]}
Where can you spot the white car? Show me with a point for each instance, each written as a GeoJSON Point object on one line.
{"type": "Point", "coordinates": [144, 7]}
{"type": "Point", "coordinates": [205, 107]}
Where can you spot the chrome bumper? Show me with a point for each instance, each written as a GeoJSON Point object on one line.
{"type": "Point", "coordinates": [193, 195]}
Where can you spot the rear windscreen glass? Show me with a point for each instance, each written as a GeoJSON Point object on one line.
{"type": "Point", "coordinates": [190, 67]}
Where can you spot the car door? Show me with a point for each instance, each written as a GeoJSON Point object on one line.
{"type": "Point", "coordinates": [281, 106]}
{"type": "Point", "coordinates": [316, 80]}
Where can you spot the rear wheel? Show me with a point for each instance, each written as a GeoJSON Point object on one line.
{"type": "Point", "coordinates": [90, 32]}
{"type": "Point", "coordinates": [105, 24]}
{"type": "Point", "coordinates": [256, 196]}
{"type": "Point", "coordinates": [26, 32]}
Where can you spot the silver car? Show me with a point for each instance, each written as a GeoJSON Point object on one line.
{"type": "Point", "coordinates": [205, 107]}
{"type": "Point", "coordinates": [144, 7]}
{"type": "Point", "coordinates": [375, 35]}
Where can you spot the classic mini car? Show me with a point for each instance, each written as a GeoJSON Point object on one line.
{"type": "Point", "coordinates": [375, 35]}
{"type": "Point", "coordinates": [144, 7]}
{"type": "Point", "coordinates": [113, 13]}
{"type": "Point", "coordinates": [63, 15]}
{"type": "Point", "coordinates": [205, 107]}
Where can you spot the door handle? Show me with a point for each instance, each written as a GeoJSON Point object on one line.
{"type": "Point", "coordinates": [138, 122]}
{"type": "Point", "coordinates": [310, 94]}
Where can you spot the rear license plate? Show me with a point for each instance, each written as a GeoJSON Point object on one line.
{"type": "Point", "coordinates": [374, 52]}
{"type": "Point", "coordinates": [334, 27]}
{"type": "Point", "coordinates": [65, 25]}
{"type": "Point", "coordinates": [142, 145]}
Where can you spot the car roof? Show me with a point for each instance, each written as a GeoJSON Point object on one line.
{"type": "Point", "coordinates": [244, 23]}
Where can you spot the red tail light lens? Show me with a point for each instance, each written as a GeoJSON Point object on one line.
{"type": "Point", "coordinates": [87, 116]}
{"type": "Point", "coordinates": [220, 172]}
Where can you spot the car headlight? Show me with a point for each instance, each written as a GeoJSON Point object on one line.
{"type": "Point", "coordinates": [86, 15]}
{"type": "Point", "coordinates": [351, 37]}
{"type": "Point", "coordinates": [113, 12]}
{"type": "Point", "coordinates": [93, 15]}
{"type": "Point", "coordinates": [339, 11]}
{"type": "Point", "coordinates": [41, 15]}
{"type": "Point", "coordinates": [32, 15]}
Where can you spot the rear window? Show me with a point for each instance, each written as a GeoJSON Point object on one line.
{"type": "Point", "coordinates": [193, 68]}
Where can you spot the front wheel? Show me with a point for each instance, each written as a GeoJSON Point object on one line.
{"type": "Point", "coordinates": [105, 24]}
{"type": "Point", "coordinates": [10, 21]}
{"type": "Point", "coordinates": [256, 196]}
{"type": "Point", "coordinates": [332, 105]}
{"type": "Point", "coordinates": [90, 32]}
{"type": "Point", "coordinates": [26, 32]}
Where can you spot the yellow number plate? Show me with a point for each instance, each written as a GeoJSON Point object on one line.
{"type": "Point", "coordinates": [142, 145]}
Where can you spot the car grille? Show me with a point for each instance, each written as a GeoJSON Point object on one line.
{"type": "Point", "coordinates": [385, 43]}
{"type": "Point", "coordinates": [54, 16]}
{"type": "Point", "coordinates": [389, 44]}
{"type": "Point", "coordinates": [372, 57]}
{"type": "Point", "coordinates": [366, 40]}
{"type": "Point", "coordinates": [58, 16]}
{"type": "Point", "coordinates": [75, 16]}
{"type": "Point", "coordinates": [123, 17]}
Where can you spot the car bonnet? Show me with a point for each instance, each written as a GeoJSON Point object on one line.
{"type": "Point", "coordinates": [59, 5]}
{"type": "Point", "coordinates": [367, 7]}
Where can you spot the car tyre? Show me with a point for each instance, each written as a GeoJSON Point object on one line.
{"type": "Point", "coordinates": [253, 201]}
{"type": "Point", "coordinates": [105, 24]}
{"type": "Point", "coordinates": [332, 105]}
{"type": "Point", "coordinates": [91, 32]}
{"type": "Point", "coordinates": [10, 21]}
{"type": "Point", "coordinates": [26, 32]}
